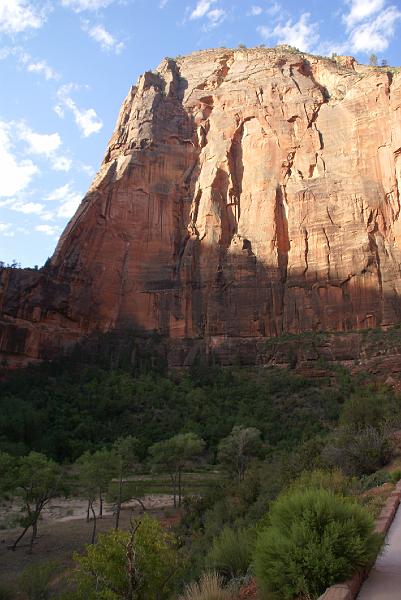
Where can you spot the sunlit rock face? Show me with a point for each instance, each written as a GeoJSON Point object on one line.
{"type": "Point", "coordinates": [244, 193]}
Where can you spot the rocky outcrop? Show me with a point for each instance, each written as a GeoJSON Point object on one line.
{"type": "Point", "coordinates": [244, 193]}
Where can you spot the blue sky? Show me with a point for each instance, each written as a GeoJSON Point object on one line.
{"type": "Point", "coordinates": [66, 66]}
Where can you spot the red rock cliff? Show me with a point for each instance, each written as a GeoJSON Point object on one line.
{"type": "Point", "coordinates": [243, 193]}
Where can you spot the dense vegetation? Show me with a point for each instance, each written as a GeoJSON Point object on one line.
{"type": "Point", "coordinates": [277, 442]}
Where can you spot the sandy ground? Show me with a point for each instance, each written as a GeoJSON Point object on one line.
{"type": "Point", "coordinates": [384, 581]}
{"type": "Point", "coordinates": [64, 530]}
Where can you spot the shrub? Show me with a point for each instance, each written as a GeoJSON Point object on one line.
{"type": "Point", "coordinates": [313, 540]}
{"type": "Point", "coordinates": [395, 476]}
{"type": "Point", "coordinates": [210, 587]}
{"type": "Point", "coordinates": [374, 480]}
{"type": "Point", "coordinates": [6, 593]}
{"type": "Point", "coordinates": [231, 553]}
{"type": "Point", "coordinates": [334, 481]}
{"type": "Point", "coordinates": [35, 580]}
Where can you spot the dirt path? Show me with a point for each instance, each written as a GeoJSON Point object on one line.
{"type": "Point", "coordinates": [384, 581]}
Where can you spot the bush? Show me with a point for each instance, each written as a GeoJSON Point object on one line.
{"type": "Point", "coordinates": [358, 453]}
{"type": "Point", "coordinates": [374, 480]}
{"type": "Point", "coordinates": [333, 481]}
{"type": "Point", "coordinates": [35, 580]}
{"type": "Point", "coordinates": [210, 587]}
{"type": "Point", "coordinates": [395, 476]}
{"type": "Point", "coordinates": [6, 593]}
{"type": "Point", "coordinates": [314, 539]}
{"type": "Point", "coordinates": [231, 553]}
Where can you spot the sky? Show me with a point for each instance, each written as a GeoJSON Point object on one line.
{"type": "Point", "coordinates": [67, 65]}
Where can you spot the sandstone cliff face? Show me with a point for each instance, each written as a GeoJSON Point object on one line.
{"type": "Point", "coordinates": [243, 194]}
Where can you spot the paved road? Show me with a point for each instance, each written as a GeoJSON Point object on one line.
{"type": "Point", "coordinates": [384, 581]}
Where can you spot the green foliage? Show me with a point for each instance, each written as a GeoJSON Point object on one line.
{"type": "Point", "coordinates": [359, 452]}
{"type": "Point", "coordinates": [374, 480]}
{"type": "Point", "coordinates": [136, 565]}
{"type": "Point", "coordinates": [395, 476]}
{"type": "Point", "coordinates": [35, 580]}
{"type": "Point", "coordinates": [6, 593]}
{"type": "Point", "coordinates": [333, 481]}
{"type": "Point", "coordinates": [314, 539]}
{"type": "Point", "coordinates": [237, 449]}
{"type": "Point", "coordinates": [369, 407]}
{"type": "Point", "coordinates": [210, 587]}
{"type": "Point", "coordinates": [231, 553]}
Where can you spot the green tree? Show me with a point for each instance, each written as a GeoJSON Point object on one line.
{"type": "Point", "coordinates": [7, 472]}
{"type": "Point", "coordinates": [126, 452]}
{"type": "Point", "coordinates": [35, 580]}
{"type": "Point", "coordinates": [174, 455]}
{"type": "Point", "coordinates": [314, 539]}
{"type": "Point", "coordinates": [38, 479]}
{"type": "Point", "coordinates": [137, 565]}
{"type": "Point", "coordinates": [95, 471]}
{"type": "Point", "coordinates": [236, 451]}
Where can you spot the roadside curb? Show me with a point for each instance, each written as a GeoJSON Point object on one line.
{"type": "Point", "coordinates": [348, 590]}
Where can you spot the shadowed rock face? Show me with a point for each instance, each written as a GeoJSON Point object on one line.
{"type": "Point", "coordinates": [243, 193]}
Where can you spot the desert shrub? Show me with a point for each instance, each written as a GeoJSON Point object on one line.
{"type": "Point", "coordinates": [358, 452]}
{"type": "Point", "coordinates": [35, 580]}
{"type": "Point", "coordinates": [395, 476]}
{"type": "Point", "coordinates": [210, 587]}
{"type": "Point", "coordinates": [374, 480]}
{"type": "Point", "coordinates": [332, 480]}
{"type": "Point", "coordinates": [314, 539]}
{"type": "Point", "coordinates": [231, 553]}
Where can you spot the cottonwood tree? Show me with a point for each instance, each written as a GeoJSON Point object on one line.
{"type": "Point", "coordinates": [174, 454]}
{"type": "Point", "coordinates": [125, 450]}
{"type": "Point", "coordinates": [237, 449]}
{"type": "Point", "coordinates": [94, 474]}
{"type": "Point", "coordinates": [37, 479]}
{"type": "Point", "coordinates": [140, 564]}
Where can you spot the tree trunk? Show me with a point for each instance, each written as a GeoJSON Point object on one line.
{"type": "Point", "coordinates": [119, 500]}
{"type": "Point", "coordinates": [87, 512]}
{"type": "Point", "coordinates": [179, 487]}
{"type": "Point", "coordinates": [174, 482]}
{"type": "Point", "coordinates": [34, 534]}
{"type": "Point", "coordinates": [17, 541]}
{"type": "Point", "coordinates": [101, 505]}
{"type": "Point", "coordinates": [94, 523]}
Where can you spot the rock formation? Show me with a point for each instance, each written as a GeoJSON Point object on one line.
{"type": "Point", "coordinates": [243, 194]}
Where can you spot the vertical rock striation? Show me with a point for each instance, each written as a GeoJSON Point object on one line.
{"type": "Point", "coordinates": [243, 193]}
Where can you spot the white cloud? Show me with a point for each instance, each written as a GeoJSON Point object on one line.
{"type": "Point", "coordinates": [303, 34]}
{"type": "Point", "coordinates": [48, 229]}
{"type": "Point", "coordinates": [274, 9]}
{"type": "Point", "coordinates": [68, 208]}
{"type": "Point", "coordinates": [88, 169]}
{"type": "Point", "coordinates": [15, 175]}
{"type": "Point", "coordinates": [6, 229]}
{"type": "Point", "coordinates": [44, 69]}
{"type": "Point", "coordinates": [68, 198]}
{"type": "Point", "coordinates": [375, 35]}
{"type": "Point", "coordinates": [81, 5]}
{"type": "Point", "coordinates": [255, 11]}
{"type": "Point", "coordinates": [201, 8]}
{"type": "Point", "coordinates": [103, 37]}
{"type": "Point", "coordinates": [87, 120]}
{"type": "Point", "coordinates": [162, 3]}
{"type": "Point", "coordinates": [361, 9]}
{"type": "Point", "coordinates": [61, 163]}
{"type": "Point", "coordinates": [215, 16]}
{"type": "Point", "coordinates": [28, 208]}
{"type": "Point", "coordinates": [60, 193]}
{"type": "Point", "coordinates": [38, 143]}
{"type": "Point", "coordinates": [19, 15]}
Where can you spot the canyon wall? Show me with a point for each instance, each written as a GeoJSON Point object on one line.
{"type": "Point", "coordinates": [244, 194]}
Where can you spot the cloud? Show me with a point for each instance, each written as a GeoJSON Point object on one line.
{"type": "Point", "coordinates": [28, 208]}
{"type": "Point", "coordinates": [48, 229]}
{"type": "Point", "coordinates": [162, 3]}
{"type": "Point", "coordinates": [61, 163]}
{"type": "Point", "coordinates": [68, 198]}
{"type": "Point", "coordinates": [201, 8]}
{"type": "Point", "coordinates": [375, 35]}
{"type": "Point", "coordinates": [15, 175]}
{"type": "Point", "coordinates": [6, 229]}
{"type": "Point", "coordinates": [360, 10]}
{"type": "Point", "coordinates": [103, 37]}
{"type": "Point", "coordinates": [255, 11]}
{"type": "Point", "coordinates": [303, 34]}
{"type": "Point", "coordinates": [38, 143]}
{"type": "Point", "coordinates": [87, 120]}
{"type": "Point", "coordinates": [17, 16]}
{"type": "Point", "coordinates": [44, 69]}
{"type": "Point", "coordinates": [81, 5]}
